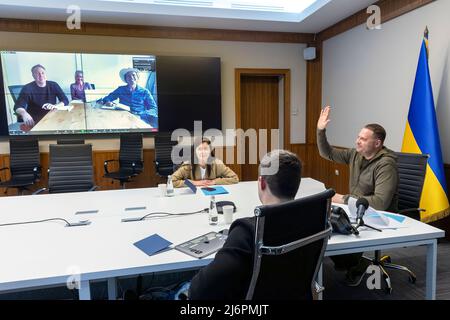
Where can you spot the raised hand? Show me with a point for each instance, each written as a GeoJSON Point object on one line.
{"type": "Point", "coordinates": [324, 118]}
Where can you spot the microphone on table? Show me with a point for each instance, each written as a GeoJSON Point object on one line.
{"type": "Point", "coordinates": [362, 204]}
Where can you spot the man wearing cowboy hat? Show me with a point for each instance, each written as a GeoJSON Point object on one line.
{"type": "Point", "coordinates": [139, 99]}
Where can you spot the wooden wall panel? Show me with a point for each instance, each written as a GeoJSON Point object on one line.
{"type": "Point", "coordinates": [229, 156]}
{"type": "Point", "coordinates": [314, 166]}
{"type": "Point", "coordinates": [390, 9]}
{"type": "Point", "coordinates": [121, 30]}
{"type": "Point", "coordinates": [313, 94]}
{"type": "Point", "coordinates": [148, 178]}
{"type": "Point", "coordinates": [300, 151]}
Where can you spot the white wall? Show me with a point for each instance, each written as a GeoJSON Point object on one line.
{"type": "Point", "coordinates": [233, 55]}
{"type": "Point", "coordinates": [368, 76]}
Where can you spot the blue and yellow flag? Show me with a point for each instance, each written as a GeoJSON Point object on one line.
{"type": "Point", "coordinates": [422, 136]}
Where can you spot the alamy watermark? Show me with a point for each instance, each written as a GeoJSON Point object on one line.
{"type": "Point", "coordinates": [373, 281]}
{"type": "Point", "coordinates": [258, 145]}
{"type": "Point", "coordinates": [374, 20]}
{"type": "Point", "coordinates": [73, 21]}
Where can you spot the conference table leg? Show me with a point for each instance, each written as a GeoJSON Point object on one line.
{"type": "Point", "coordinates": [84, 291]}
{"type": "Point", "coordinates": [431, 270]}
{"type": "Point", "coordinates": [320, 282]}
{"type": "Point", "coordinates": [112, 289]}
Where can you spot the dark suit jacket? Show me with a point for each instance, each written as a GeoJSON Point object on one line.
{"type": "Point", "coordinates": [228, 276]}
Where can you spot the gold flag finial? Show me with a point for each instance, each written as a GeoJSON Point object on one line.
{"type": "Point", "coordinates": [425, 38]}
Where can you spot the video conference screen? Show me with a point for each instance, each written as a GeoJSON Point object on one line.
{"type": "Point", "coordinates": [76, 93]}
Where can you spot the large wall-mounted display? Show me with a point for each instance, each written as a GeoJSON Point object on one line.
{"type": "Point", "coordinates": [47, 93]}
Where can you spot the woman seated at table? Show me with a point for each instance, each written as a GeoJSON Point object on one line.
{"type": "Point", "coordinates": [77, 88]}
{"type": "Point", "coordinates": [204, 169]}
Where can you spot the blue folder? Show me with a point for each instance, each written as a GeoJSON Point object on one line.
{"type": "Point", "coordinates": [395, 217]}
{"type": "Point", "coordinates": [217, 190]}
{"type": "Point", "coordinates": [153, 244]}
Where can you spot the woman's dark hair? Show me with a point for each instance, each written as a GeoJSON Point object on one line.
{"type": "Point", "coordinates": [194, 159]}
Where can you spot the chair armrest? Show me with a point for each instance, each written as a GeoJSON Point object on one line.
{"type": "Point", "coordinates": [413, 213]}
{"type": "Point", "coordinates": [94, 188]}
{"type": "Point", "coordinates": [37, 172]}
{"type": "Point", "coordinates": [105, 164]}
{"type": "Point", "coordinates": [411, 210]}
{"type": "Point", "coordinates": [39, 191]}
{"type": "Point", "coordinates": [316, 290]}
{"type": "Point", "coordinates": [133, 166]}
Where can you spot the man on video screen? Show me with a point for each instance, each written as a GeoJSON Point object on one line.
{"type": "Point", "coordinates": [139, 99]}
{"type": "Point", "coordinates": [37, 98]}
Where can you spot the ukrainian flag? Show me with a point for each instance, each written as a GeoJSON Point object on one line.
{"type": "Point", "coordinates": [422, 136]}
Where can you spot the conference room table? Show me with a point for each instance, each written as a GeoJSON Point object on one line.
{"type": "Point", "coordinates": [89, 116]}
{"type": "Point", "coordinates": [49, 254]}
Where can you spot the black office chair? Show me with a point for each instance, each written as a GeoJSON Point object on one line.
{"type": "Point", "coordinates": [411, 174]}
{"type": "Point", "coordinates": [24, 164]}
{"type": "Point", "coordinates": [290, 242]}
{"type": "Point", "coordinates": [70, 169]}
{"type": "Point", "coordinates": [70, 141]}
{"type": "Point", "coordinates": [15, 92]}
{"type": "Point", "coordinates": [163, 154]}
{"type": "Point", "coordinates": [130, 159]}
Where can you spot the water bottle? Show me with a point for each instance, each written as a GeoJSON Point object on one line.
{"type": "Point", "coordinates": [213, 215]}
{"type": "Point", "coordinates": [169, 192]}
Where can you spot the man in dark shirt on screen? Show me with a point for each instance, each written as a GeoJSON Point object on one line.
{"type": "Point", "coordinates": [37, 98]}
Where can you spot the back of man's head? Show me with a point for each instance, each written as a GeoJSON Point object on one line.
{"type": "Point", "coordinates": [282, 171]}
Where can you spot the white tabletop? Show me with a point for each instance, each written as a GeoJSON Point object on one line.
{"type": "Point", "coordinates": [47, 253]}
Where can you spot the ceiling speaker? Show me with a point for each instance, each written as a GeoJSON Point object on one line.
{"type": "Point", "coordinates": [309, 53]}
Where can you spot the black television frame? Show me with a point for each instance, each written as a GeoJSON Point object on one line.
{"type": "Point", "coordinates": [4, 132]}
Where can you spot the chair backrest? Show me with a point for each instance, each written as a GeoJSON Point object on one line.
{"type": "Point", "coordinates": [163, 153]}
{"type": "Point", "coordinates": [290, 241]}
{"type": "Point", "coordinates": [24, 157]}
{"type": "Point", "coordinates": [411, 174]}
{"type": "Point", "coordinates": [15, 91]}
{"type": "Point", "coordinates": [131, 151]}
{"type": "Point", "coordinates": [70, 141]}
{"type": "Point", "coordinates": [70, 168]}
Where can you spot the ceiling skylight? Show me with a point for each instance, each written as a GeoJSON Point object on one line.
{"type": "Point", "coordinates": [263, 10]}
{"type": "Point", "coordinates": [270, 10]}
{"type": "Point", "coordinates": [292, 6]}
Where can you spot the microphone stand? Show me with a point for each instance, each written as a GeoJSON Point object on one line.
{"type": "Point", "coordinates": [362, 224]}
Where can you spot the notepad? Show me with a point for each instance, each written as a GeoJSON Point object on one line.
{"type": "Point", "coordinates": [153, 244]}
{"type": "Point", "coordinates": [217, 190]}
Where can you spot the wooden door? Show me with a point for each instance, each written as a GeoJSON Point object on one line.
{"type": "Point", "coordinates": [259, 110]}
